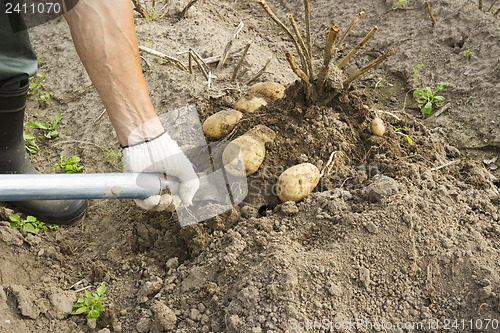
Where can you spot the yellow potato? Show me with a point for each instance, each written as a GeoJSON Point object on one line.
{"type": "Point", "coordinates": [271, 90]}
{"type": "Point", "coordinates": [297, 182]}
{"type": "Point", "coordinates": [244, 155]}
{"type": "Point", "coordinates": [378, 127]}
{"type": "Point", "coordinates": [249, 103]}
{"type": "Point", "coordinates": [221, 123]}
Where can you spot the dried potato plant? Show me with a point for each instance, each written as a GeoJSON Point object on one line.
{"type": "Point", "coordinates": [151, 9]}
{"type": "Point", "coordinates": [323, 86]}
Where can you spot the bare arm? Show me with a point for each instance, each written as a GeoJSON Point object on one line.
{"type": "Point", "coordinates": [104, 36]}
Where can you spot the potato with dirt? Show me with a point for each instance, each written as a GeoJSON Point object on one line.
{"type": "Point", "coordinates": [221, 123]}
{"type": "Point", "coordinates": [260, 94]}
{"type": "Point", "coordinates": [244, 155]}
{"type": "Point", "coordinates": [295, 183]}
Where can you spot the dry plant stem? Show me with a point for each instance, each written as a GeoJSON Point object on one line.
{"type": "Point", "coordinates": [444, 165]}
{"type": "Point", "coordinates": [286, 30]}
{"type": "Point", "coordinates": [309, 69]}
{"type": "Point", "coordinates": [492, 4]}
{"type": "Point", "coordinates": [162, 55]}
{"type": "Point", "coordinates": [260, 72]}
{"type": "Point", "coordinates": [138, 8]}
{"type": "Point", "coordinates": [368, 67]}
{"type": "Point", "coordinates": [301, 75]}
{"type": "Point", "coordinates": [228, 46]}
{"type": "Point", "coordinates": [357, 47]}
{"type": "Point", "coordinates": [185, 10]}
{"type": "Point", "coordinates": [307, 10]}
{"type": "Point", "coordinates": [430, 12]}
{"type": "Point", "coordinates": [327, 57]}
{"type": "Point", "coordinates": [481, 5]}
{"type": "Point", "coordinates": [329, 98]}
{"type": "Point", "coordinates": [328, 165]}
{"type": "Point", "coordinates": [190, 62]}
{"type": "Point", "coordinates": [240, 62]}
{"type": "Point", "coordinates": [355, 21]}
{"type": "Point", "coordinates": [200, 64]}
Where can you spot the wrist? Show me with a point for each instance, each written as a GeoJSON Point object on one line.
{"type": "Point", "coordinates": [149, 130]}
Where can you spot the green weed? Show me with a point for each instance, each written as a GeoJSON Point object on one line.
{"type": "Point", "coordinates": [416, 73]}
{"type": "Point", "coordinates": [30, 144]}
{"type": "Point", "coordinates": [90, 304]}
{"type": "Point", "coordinates": [397, 131]}
{"type": "Point", "coordinates": [50, 129]}
{"type": "Point", "coordinates": [467, 53]}
{"type": "Point", "coordinates": [426, 98]}
{"type": "Point", "coordinates": [69, 165]}
{"type": "Point", "coordinates": [35, 89]}
{"type": "Point", "coordinates": [113, 157]}
{"type": "Point", "coordinates": [400, 3]}
{"type": "Point", "coordinates": [30, 224]}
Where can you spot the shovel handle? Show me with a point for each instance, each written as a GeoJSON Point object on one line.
{"type": "Point", "coordinates": [16, 187]}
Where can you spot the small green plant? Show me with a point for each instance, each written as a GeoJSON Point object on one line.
{"type": "Point", "coordinates": [69, 165]}
{"type": "Point", "coordinates": [114, 157]}
{"type": "Point", "coordinates": [35, 89]}
{"type": "Point", "coordinates": [416, 73]}
{"type": "Point", "coordinates": [90, 304]}
{"type": "Point", "coordinates": [50, 129]}
{"type": "Point", "coordinates": [30, 224]}
{"type": "Point", "coordinates": [400, 3]}
{"type": "Point", "coordinates": [467, 53]}
{"type": "Point", "coordinates": [397, 131]}
{"type": "Point", "coordinates": [30, 144]}
{"type": "Point", "coordinates": [426, 98]}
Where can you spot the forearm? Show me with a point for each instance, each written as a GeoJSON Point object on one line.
{"type": "Point", "coordinates": [104, 36]}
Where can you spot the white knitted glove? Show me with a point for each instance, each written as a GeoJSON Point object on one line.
{"type": "Point", "coordinates": [162, 155]}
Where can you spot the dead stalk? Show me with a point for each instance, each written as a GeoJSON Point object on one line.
{"type": "Point", "coordinates": [492, 4]}
{"type": "Point", "coordinates": [240, 62]}
{"type": "Point", "coordinates": [185, 10]}
{"type": "Point", "coordinates": [355, 21]}
{"type": "Point", "coordinates": [309, 69]}
{"type": "Point", "coordinates": [190, 63]}
{"type": "Point", "coordinates": [307, 10]}
{"type": "Point", "coordinates": [301, 75]}
{"type": "Point", "coordinates": [368, 67]}
{"type": "Point", "coordinates": [200, 63]}
{"type": "Point", "coordinates": [286, 30]}
{"type": "Point", "coordinates": [357, 47]}
{"type": "Point", "coordinates": [163, 55]}
{"type": "Point", "coordinates": [223, 58]}
{"type": "Point", "coordinates": [138, 8]}
{"type": "Point", "coordinates": [430, 12]}
{"type": "Point", "coordinates": [481, 5]}
{"type": "Point", "coordinates": [327, 56]}
{"type": "Point", "coordinates": [260, 72]}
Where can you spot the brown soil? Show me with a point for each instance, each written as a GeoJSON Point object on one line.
{"type": "Point", "coordinates": [388, 235]}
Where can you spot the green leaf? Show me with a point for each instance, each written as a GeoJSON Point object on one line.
{"type": "Point", "coordinates": [93, 314]}
{"type": "Point", "coordinates": [42, 125]}
{"type": "Point", "coordinates": [439, 98]}
{"type": "Point", "coordinates": [101, 290]}
{"type": "Point", "coordinates": [442, 85]}
{"type": "Point", "coordinates": [31, 219]}
{"type": "Point", "coordinates": [80, 310]}
{"type": "Point", "coordinates": [57, 119]}
{"type": "Point", "coordinates": [429, 92]}
{"type": "Point", "coordinates": [15, 218]}
{"type": "Point", "coordinates": [88, 294]}
{"type": "Point", "coordinates": [419, 92]}
{"type": "Point", "coordinates": [99, 308]}
{"type": "Point", "coordinates": [410, 141]}
{"type": "Point", "coordinates": [427, 109]}
{"type": "Point", "coordinates": [30, 125]}
{"type": "Point", "coordinates": [51, 134]}
{"type": "Point", "coordinates": [28, 227]}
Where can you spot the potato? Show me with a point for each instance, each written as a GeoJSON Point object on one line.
{"type": "Point", "coordinates": [249, 103]}
{"type": "Point", "coordinates": [221, 123]}
{"type": "Point", "coordinates": [378, 127]}
{"type": "Point", "coordinates": [244, 155]}
{"type": "Point", "coordinates": [297, 182]}
{"type": "Point", "coordinates": [271, 90]}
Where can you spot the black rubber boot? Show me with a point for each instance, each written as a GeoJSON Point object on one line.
{"type": "Point", "coordinates": [14, 159]}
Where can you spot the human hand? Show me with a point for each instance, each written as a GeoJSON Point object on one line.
{"type": "Point", "coordinates": [162, 155]}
